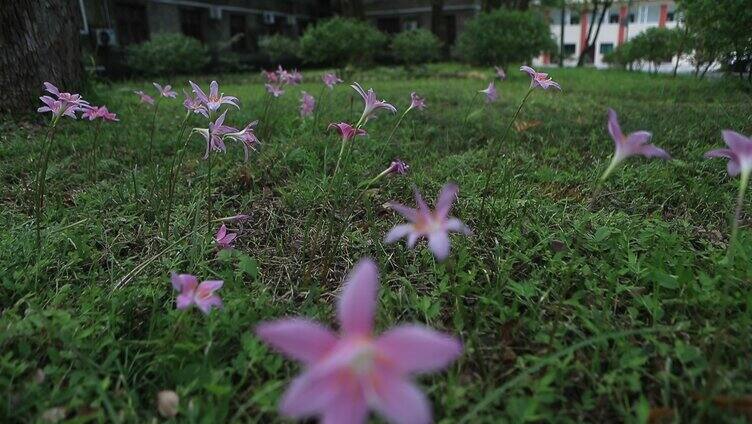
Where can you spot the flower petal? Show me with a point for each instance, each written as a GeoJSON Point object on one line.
{"type": "Point", "coordinates": [447, 196]}
{"type": "Point", "coordinates": [740, 144]}
{"type": "Point", "coordinates": [310, 393]}
{"type": "Point", "coordinates": [409, 213]}
{"type": "Point", "coordinates": [653, 151]}
{"type": "Point", "coordinates": [417, 349]}
{"type": "Point", "coordinates": [438, 243]}
{"type": "Point", "coordinates": [221, 233]}
{"type": "Point", "coordinates": [398, 232]}
{"type": "Point", "coordinates": [457, 226]}
{"type": "Point", "coordinates": [205, 304]}
{"type": "Point", "coordinates": [613, 126]}
{"type": "Point", "coordinates": [300, 339]}
{"type": "Point", "coordinates": [398, 400]}
{"type": "Point", "coordinates": [183, 282]}
{"type": "Point", "coordinates": [349, 407]}
{"type": "Point", "coordinates": [357, 305]}
{"type": "Point", "coordinates": [528, 70]}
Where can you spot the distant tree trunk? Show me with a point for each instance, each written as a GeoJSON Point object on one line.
{"type": "Point", "coordinates": [680, 49]}
{"type": "Point", "coordinates": [561, 34]}
{"type": "Point", "coordinates": [40, 42]}
{"type": "Point", "coordinates": [589, 50]}
{"type": "Point", "coordinates": [437, 19]}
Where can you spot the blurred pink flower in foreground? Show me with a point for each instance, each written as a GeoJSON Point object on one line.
{"type": "Point", "coordinates": [435, 225]}
{"type": "Point", "coordinates": [145, 98]}
{"type": "Point", "coordinates": [635, 143]}
{"type": "Point", "coordinates": [490, 92]}
{"type": "Point", "coordinates": [739, 153]}
{"type": "Point", "coordinates": [192, 293]}
{"type": "Point", "coordinates": [416, 102]}
{"type": "Point", "coordinates": [224, 238]}
{"type": "Point", "coordinates": [93, 112]}
{"type": "Point", "coordinates": [500, 73]}
{"type": "Point", "coordinates": [215, 99]}
{"type": "Point", "coordinates": [346, 376]}
{"type": "Point", "coordinates": [539, 79]}
{"type": "Point", "coordinates": [371, 104]}
{"type": "Point", "coordinates": [165, 91]}
{"type": "Point", "coordinates": [330, 80]}
{"type": "Point", "coordinates": [347, 131]}
{"type": "Point", "coordinates": [307, 103]}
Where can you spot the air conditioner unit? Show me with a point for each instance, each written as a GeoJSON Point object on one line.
{"type": "Point", "coordinates": [106, 37]}
{"type": "Point", "coordinates": [269, 18]}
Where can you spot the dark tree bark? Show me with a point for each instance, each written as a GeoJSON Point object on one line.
{"type": "Point", "coordinates": [39, 40]}
{"type": "Point", "coordinates": [589, 50]}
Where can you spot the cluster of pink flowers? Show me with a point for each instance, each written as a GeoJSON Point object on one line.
{"type": "Point", "coordinates": [307, 104]}
{"type": "Point", "coordinates": [61, 103]}
{"type": "Point", "coordinates": [277, 80]}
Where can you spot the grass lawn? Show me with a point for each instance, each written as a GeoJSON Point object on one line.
{"type": "Point", "coordinates": [574, 303]}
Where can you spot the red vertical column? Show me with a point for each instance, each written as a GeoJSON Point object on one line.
{"type": "Point", "coordinates": [583, 29]}
{"type": "Point", "coordinates": [664, 14]}
{"type": "Point", "coordinates": [623, 17]}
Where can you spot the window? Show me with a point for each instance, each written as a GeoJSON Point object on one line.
{"type": "Point", "coordinates": [652, 14]}
{"type": "Point", "coordinates": [388, 25]}
{"type": "Point", "coordinates": [574, 18]}
{"type": "Point", "coordinates": [192, 22]}
{"type": "Point", "coordinates": [671, 14]}
{"type": "Point", "coordinates": [631, 17]}
{"type": "Point", "coordinates": [131, 23]}
{"type": "Point", "coordinates": [569, 49]}
{"type": "Point", "coordinates": [613, 16]}
{"type": "Point", "coordinates": [606, 48]}
{"type": "Point", "coordinates": [555, 17]}
{"type": "Point", "coordinates": [238, 32]}
{"type": "Point", "coordinates": [411, 24]}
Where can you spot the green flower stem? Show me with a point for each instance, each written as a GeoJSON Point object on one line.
{"type": "Point", "coordinates": [743, 182]}
{"type": "Point", "coordinates": [173, 174]}
{"type": "Point", "coordinates": [42, 176]}
{"type": "Point", "coordinates": [153, 126]}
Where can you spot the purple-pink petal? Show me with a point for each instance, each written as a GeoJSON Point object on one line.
{"type": "Point", "coordinates": [399, 400]}
{"type": "Point", "coordinates": [398, 232]}
{"type": "Point", "coordinates": [418, 348]}
{"type": "Point", "coordinates": [447, 196]}
{"type": "Point", "coordinates": [357, 305]}
{"type": "Point", "coordinates": [300, 339]}
{"type": "Point", "coordinates": [438, 243]}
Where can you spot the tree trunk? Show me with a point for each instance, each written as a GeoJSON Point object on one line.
{"type": "Point", "coordinates": [437, 19]}
{"type": "Point", "coordinates": [40, 42]}
{"type": "Point", "coordinates": [589, 50]}
{"type": "Point", "coordinates": [561, 34]}
{"type": "Point", "coordinates": [705, 71]}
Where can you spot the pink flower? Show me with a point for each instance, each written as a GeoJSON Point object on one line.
{"type": "Point", "coordinates": [93, 112]}
{"type": "Point", "coordinates": [215, 99]}
{"type": "Point", "coordinates": [295, 77]}
{"type": "Point", "coordinates": [490, 93]}
{"type": "Point", "coordinates": [214, 134]}
{"type": "Point", "coordinates": [398, 167]}
{"type": "Point", "coordinates": [347, 131]}
{"type": "Point", "coordinates": [271, 76]}
{"type": "Point", "coordinates": [284, 76]}
{"type": "Point", "coordinates": [416, 102]}
{"type": "Point", "coordinates": [433, 225]}
{"type": "Point", "coordinates": [634, 144]}
{"type": "Point", "coordinates": [371, 103]}
{"type": "Point", "coordinates": [739, 153]}
{"type": "Point", "coordinates": [330, 80]}
{"type": "Point", "coordinates": [224, 238]}
{"type": "Point", "coordinates": [165, 91]}
{"type": "Point", "coordinates": [247, 137]}
{"type": "Point", "coordinates": [539, 79]}
{"type": "Point", "coordinates": [345, 376]}
{"type": "Point", "coordinates": [274, 89]}
{"type": "Point", "coordinates": [192, 293]}
{"type": "Point", "coordinates": [192, 104]}
{"type": "Point", "coordinates": [307, 104]}
{"type": "Point", "coordinates": [500, 73]}
{"type": "Point", "coordinates": [63, 104]}
{"type": "Point", "coordinates": [145, 98]}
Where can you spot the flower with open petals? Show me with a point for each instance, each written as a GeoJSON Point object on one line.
{"type": "Point", "coordinates": [145, 98]}
{"type": "Point", "coordinates": [739, 153]}
{"type": "Point", "coordinates": [371, 103]}
{"type": "Point", "coordinates": [490, 92]}
{"type": "Point", "coordinates": [500, 74]}
{"type": "Point", "coordinates": [271, 76]}
{"type": "Point", "coordinates": [330, 80]}
{"type": "Point", "coordinates": [274, 89]}
{"type": "Point", "coordinates": [224, 239]}
{"type": "Point", "coordinates": [635, 143]}
{"type": "Point", "coordinates": [416, 102]}
{"type": "Point", "coordinates": [247, 137]}
{"type": "Point", "coordinates": [99, 112]}
{"type": "Point", "coordinates": [62, 104]}
{"type": "Point", "coordinates": [347, 131]}
{"type": "Point", "coordinates": [215, 99]}
{"type": "Point", "coordinates": [307, 104]}
{"type": "Point", "coordinates": [192, 104]}
{"type": "Point", "coordinates": [540, 79]}
{"type": "Point", "coordinates": [398, 167]}
{"type": "Point", "coordinates": [68, 98]}
{"type": "Point", "coordinates": [192, 293]}
{"type": "Point", "coordinates": [435, 225]}
{"type": "Point", "coordinates": [344, 376]}
{"type": "Point", "coordinates": [295, 77]}
{"type": "Point", "coordinates": [214, 135]}
{"type": "Point", "coordinates": [165, 91]}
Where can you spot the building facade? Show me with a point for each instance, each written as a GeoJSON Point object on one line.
{"type": "Point", "coordinates": [623, 21]}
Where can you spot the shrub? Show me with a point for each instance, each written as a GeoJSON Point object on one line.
{"type": "Point", "coordinates": [279, 48]}
{"type": "Point", "coordinates": [167, 54]}
{"type": "Point", "coordinates": [655, 45]}
{"type": "Point", "coordinates": [341, 41]}
{"type": "Point", "coordinates": [416, 46]}
{"type": "Point", "coordinates": [502, 37]}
